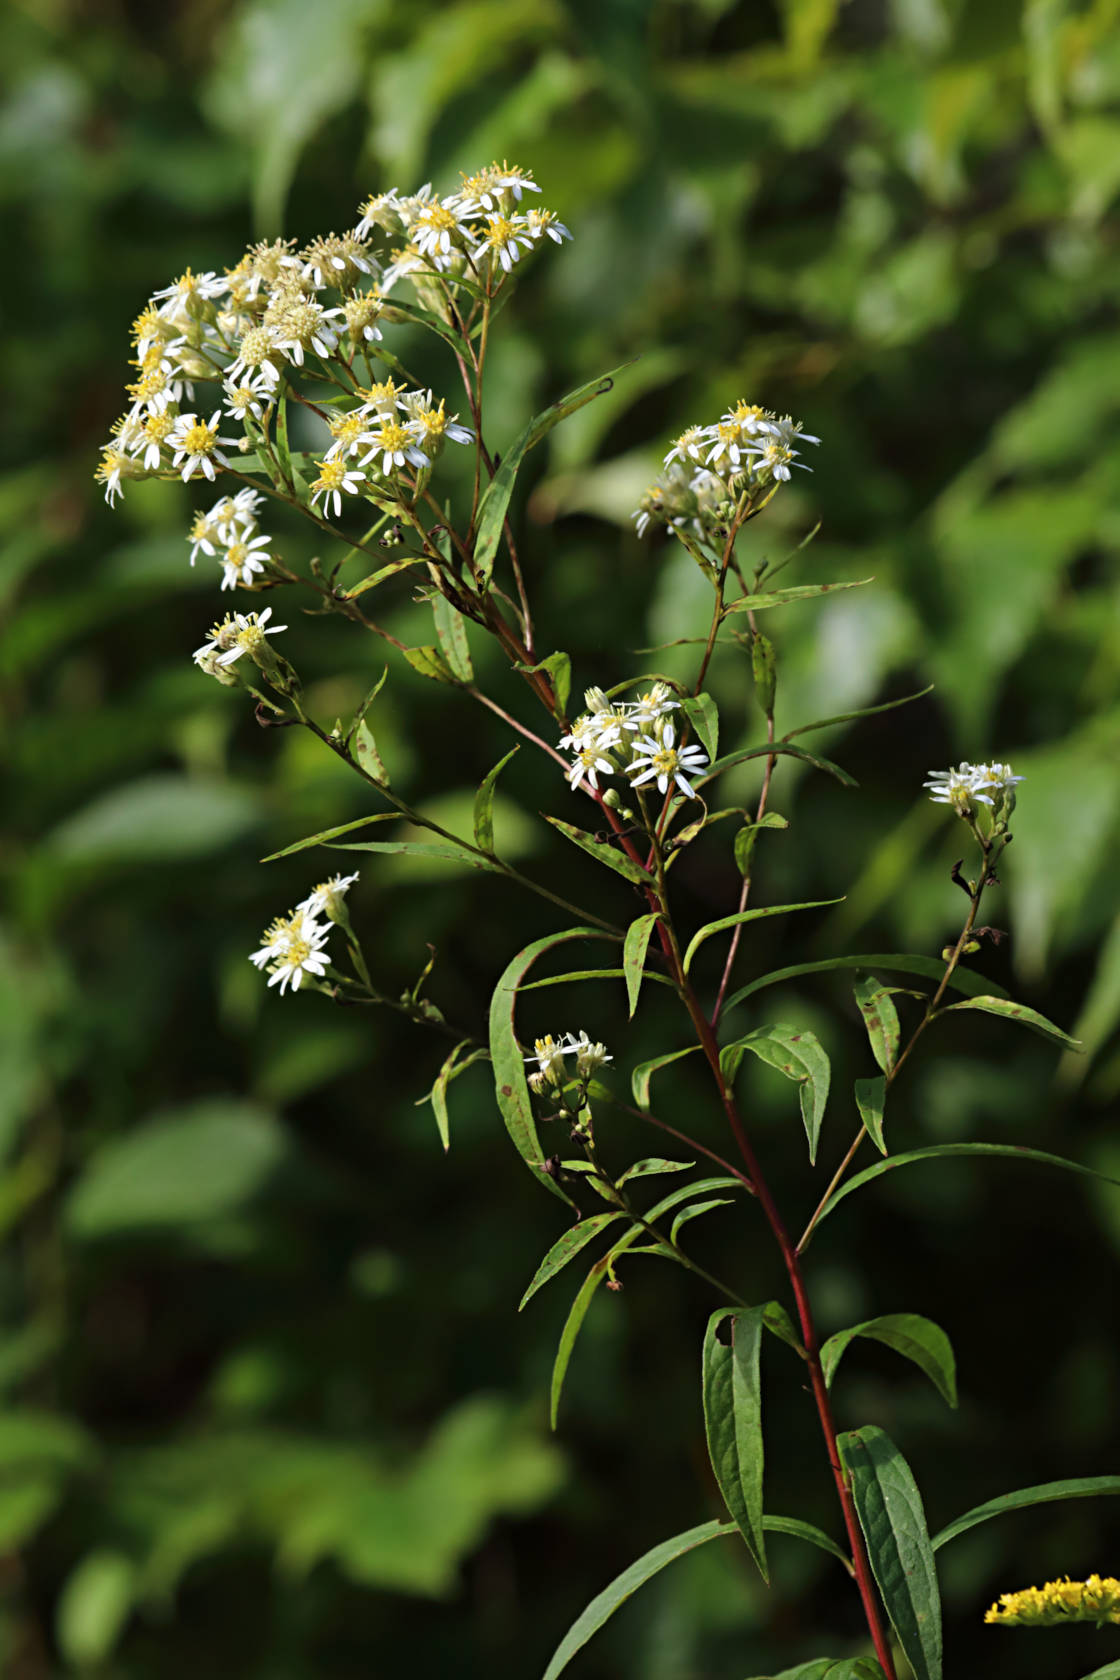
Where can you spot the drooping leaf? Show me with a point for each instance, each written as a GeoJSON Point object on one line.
{"type": "Point", "coordinates": [880, 1018]}
{"type": "Point", "coordinates": [437, 1096]}
{"type": "Point", "coordinates": [963, 979]}
{"type": "Point", "coordinates": [652, 1167]}
{"type": "Point", "coordinates": [726, 922]}
{"type": "Point", "coordinates": [495, 502]}
{"type": "Point", "coordinates": [864, 711]}
{"type": "Point", "coordinates": [831, 1668]}
{"type": "Point", "coordinates": [1016, 1012]}
{"type": "Point", "coordinates": [447, 850]}
{"type": "Point", "coordinates": [775, 749]}
{"type": "Point", "coordinates": [695, 1211]}
{"type": "Point", "coordinates": [911, 1335]}
{"type": "Point", "coordinates": [1078, 1487]}
{"type": "Point", "coordinates": [808, 1531]}
{"type": "Point", "coordinates": [797, 592]}
{"type": "Point", "coordinates": [603, 852]}
{"type": "Point", "coordinates": [383, 572]}
{"type": "Point", "coordinates": [644, 1072]}
{"type": "Point", "coordinates": [799, 1055]}
{"type": "Point", "coordinates": [733, 1420]}
{"type": "Point", "coordinates": [565, 1248]}
{"type": "Point", "coordinates": [1012, 1151]}
{"type": "Point", "coordinates": [870, 1099]}
{"type": "Point", "coordinates": [700, 710]}
{"type": "Point", "coordinates": [484, 805]}
{"type": "Point", "coordinates": [634, 955]}
{"type": "Point", "coordinates": [510, 1084]}
{"type": "Point", "coordinates": [625, 1585]}
{"type": "Point", "coordinates": [572, 1326]}
{"type": "Point", "coordinates": [893, 1521]}
{"type": "Point", "coordinates": [589, 974]}
{"type": "Point", "coordinates": [451, 634]}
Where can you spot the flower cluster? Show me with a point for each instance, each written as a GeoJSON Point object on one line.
{"type": "Point", "coordinates": [1095, 1600]}
{"type": "Point", "coordinates": [633, 738]}
{"type": "Point", "coordinates": [712, 473]}
{"type": "Point", "coordinates": [549, 1053]}
{"type": "Point", "coordinates": [293, 946]}
{"type": "Point", "coordinates": [974, 784]}
{"type": "Point", "coordinates": [397, 429]}
{"type": "Point", "coordinates": [238, 633]}
{"type": "Point", "coordinates": [263, 321]}
{"type": "Point", "coordinates": [229, 531]}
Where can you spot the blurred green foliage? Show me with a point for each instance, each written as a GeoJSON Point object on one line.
{"type": "Point", "coordinates": [268, 1410]}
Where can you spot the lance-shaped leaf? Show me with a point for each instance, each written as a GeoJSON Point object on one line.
{"type": "Point", "coordinates": [963, 980]}
{"type": "Point", "coordinates": [484, 805]}
{"type": "Point", "coordinates": [365, 749]}
{"type": "Point", "coordinates": [495, 503]}
{"type": "Point", "coordinates": [880, 1018]}
{"type": "Point", "coordinates": [565, 1248]}
{"type": "Point", "coordinates": [871, 1096]}
{"type": "Point", "coordinates": [700, 710]}
{"type": "Point", "coordinates": [850, 717]}
{"type": "Point", "coordinates": [782, 597]}
{"type": "Point", "coordinates": [1110, 1671]}
{"type": "Point", "coordinates": [588, 974]}
{"type": "Point", "coordinates": [1017, 1012]}
{"type": "Point", "coordinates": [429, 661]}
{"type": "Point", "coordinates": [327, 834]}
{"type": "Point", "coordinates": [559, 668]}
{"type": "Point", "coordinates": [603, 852]}
{"type": "Point", "coordinates": [634, 955]}
{"type": "Point", "coordinates": [726, 922]}
{"type": "Point", "coordinates": [1011, 1151]}
{"type": "Point", "coordinates": [893, 1521]}
{"type": "Point", "coordinates": [775, 749]}
{"type": "Point", "coordinates": [383, 572]}
{"type": "Point", "coordinates": [510, 1084]}
{"type": "Point", "coordinates": [733, 1420]}
{"type": "Point", "coordinates": [799, 1055]}
{"type": "Point", "coordinates": [1078, 1487]}
{"type": "Point", "coordinates": [831, 1668]}
{"type": "Point", "coordinates": [911, 1335]}
{"type": "Point", "coordinates": [695, 1211]}
{"type": "Point", "coordinates": [447, 851]}
{"type": "Point", "coordinates": [652, 1167]}
{"type": "Point", "coordinates": [437, 1096]}
{"type": "Point", "coordinates": [644, 1072]}
{"type": "Point", "coordinates": [451, 634]}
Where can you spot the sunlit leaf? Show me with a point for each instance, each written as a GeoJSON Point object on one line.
{"type": "Point", "coordinates": [916, 1338]}
{"type": "Point", "coordinates": [634, 955]}
{"type": "Point", "coordinates": [484, 805]}
{"type": "Point", "coordinates": [741, 916]}
{"type": "Point", "coordinates": [881, 1019]}
{"type": "Point", "coordinates": [1079, 1487]}
{"type": "Point", "coordinates": [1016, 1012]}
{"type": "Point", "coordinates": [733, 1420]}
{"type": "Point", "coordinates": [870, 1099]}
{"type": "Point", "coordinates": [566, 1248]}
{"type": "Point", "coordinates": [602, 851]}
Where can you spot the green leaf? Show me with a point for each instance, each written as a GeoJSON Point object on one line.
{"type": "Point", "coordinates": [911, 1335]}
{"type": "Point", "coordinates": [510, 1084]}
{"type": "Point", "coordinates": [429, 661]}
{"type": "Point", "coordinates": [634, 955]}
{"type": "Point", "coordinates": [733, 1420]}
{"type": "Point", "coordinates": [881, 1020]}
{"type": "Point", "coordinates": [365, 751]}
{"type": "Point", "coordinates": [644, 1072]}
{"type": "Point", "coordinates": [94, 1606]}
{"type": "Point", "coordinates": [808, 1531]}
{"type": "Point", "coordinates": [566, 1248]}
{"type": "Point", "coordinates": [832, 1668]}
{"type": "Point", "coordinates": [589, 974]}
{"type": "Point", "coordinates": [747, 836]}
{"type": "Point", "coordinates": [1079, 1487]}
{"type": "Point", "coordinates": [930, 968]}
{"type": "Point", "coordinates": [437, 1096]}
{"type": "Point", "coordinates": [890, 1513]}
{"type": "Point", "coordinates": [451, 634]}
{"type": "Point", "coordinates": [782, 597]}
{"type": "Point", "coordinates": [559, 668]}
{"type": "Point", "coordinates": [865, 711]}
{"type": "Point", "coordinates": [870, 1099]}
{"type": "Point", "coordinates": [652, 1166]}
{"type": "Point", "coordinates": [1013, 1151]}
{"type": "Point", "coordinates": [484, 805]}
{"type": "Point", "coordinates": [381, 574]}
{"type": "Point", "coordinates": [775, 749]}
{"type": "Point", "coordinates": [326, 834]}
{"type": "Point", "coordinates": [1110, 1671]}
{"type": "Point", "coordinates": [602, 851]}
{"type": "Point", "coordinates": [625, 1585]}
{"type": "Point", "coordinates": [448, 852]}
{"type": "Point", "coordinates": [799, 1055]}
{"type": "Point", "coordinates": [695, 1211]}
{"type": "Point", "coordinates": [700, 710]}
{"type": "Point", "coordinates": [726, 922]}
{"type": "Point", "coordinates": [161, 818]}
{"type": "Point", "coordinates": [495, 502]}
{"type": "Point", "coordinates": [1016, 1012]}
{"type": "Point", "coordinates": [200, 1162]}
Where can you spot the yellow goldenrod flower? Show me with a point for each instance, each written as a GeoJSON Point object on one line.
{"type": "Point", "coordinates": [1095, 1600]}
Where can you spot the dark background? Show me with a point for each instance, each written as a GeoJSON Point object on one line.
{"type": "Point", "coordinates": [268, 1408]}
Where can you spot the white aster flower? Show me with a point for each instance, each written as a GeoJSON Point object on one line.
{"type": "Point", "coordinates": [589, 1055]}
{"type": "Point", "coordinates": [238, 633]}
{"type": "Point", "coordinates": [971, 784]}
{"type": "Point", "coordinates": [350, 432]}
{"type": "Point", "coordinates": [397, 446]}
{"type": "Point", "coordinates": [540, 222]}
{"type": "Point", "coordinates": [241, 561]}
{"type": "Point", "coordinates": [689, 446]}
{"type": "Point", "coordinates": [588, 766]}
{"type": "Point", "coordinates": [549, 1057]}
{"type": "Point", "coordinates": [506, 237]}
{"type": "Point", "coordinates": [666, 761]}
{"type": "Point", "coordinates": [439, 228]}
{"type": "Point", "coordinates": [335, 480]}
{"type": "Point", "coordinates": [303, 954]}
{"type": "Point", "coordinates": [190, 292]}
{"type": "Point", "coordinates": [251, 397]}
{"type": "Point", "coordinates": [254, 358]}
{"type": "Point", "coordinates": [644, 712]}
{"type": "Point", "coordinates": [327, 896]}
{"type": "Point", "coordinates": [196, 443]}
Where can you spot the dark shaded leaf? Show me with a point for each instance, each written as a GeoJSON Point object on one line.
{"type": "Point", "coordinates": [733, 1420]}
{"type": "Point", "coordinates": [930, 968]}
{"type": "Point", "coordinates": [726, 922]}
{"type": "Point", "coordinates": [870, 1098]}
{"type": "Point", "coordinates": [911, 1335]}
{"type": "Point", "coordinates": [1078, 1487]}
{"type": "Point", "coordinates": [603, 852]}
{"type": "Point", "coordinates": [1016, 1012]}
{"type": "Point", "coordinates": [484, 805]}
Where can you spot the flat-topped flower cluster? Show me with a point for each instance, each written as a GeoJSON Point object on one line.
{"type": "Point", "coordinates": [634, 738]}
{"type": "Point", "coordinates": [714, 471]}
{"type": "Point", "coordinates": [973, 784]}
{"type": "Point", "coordinates": [285, 313]}
{"type": "Point", "coordinates": [294, 945]}
{"type": "Point", "coordinates": [1095, 1600]}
